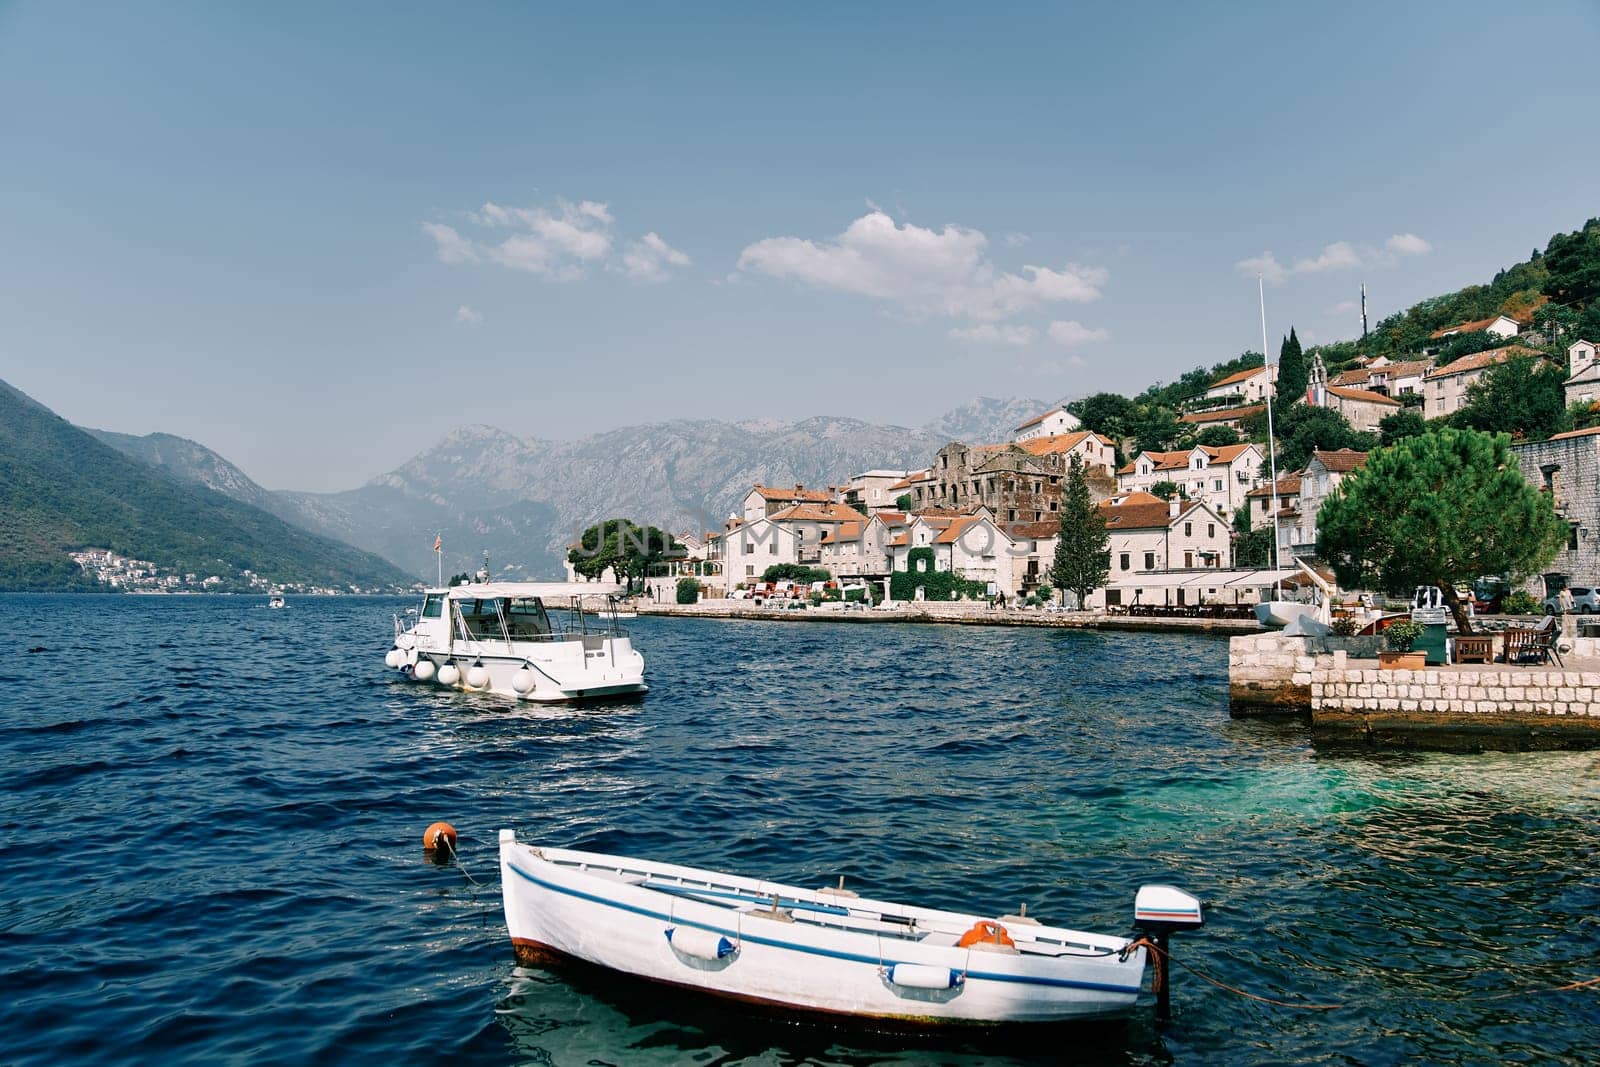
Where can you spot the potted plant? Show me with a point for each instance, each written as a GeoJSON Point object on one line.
{"type": "Point", "coordinates": [1400, 636]}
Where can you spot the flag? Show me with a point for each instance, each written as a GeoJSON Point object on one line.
{"type": "Point", "coordinates": [438, 542]}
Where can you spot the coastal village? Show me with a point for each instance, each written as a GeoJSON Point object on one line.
{"type": "Point", "coordinates": [1178, 518]}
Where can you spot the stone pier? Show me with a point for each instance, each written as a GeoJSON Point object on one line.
{"type": "Point", "coordinates": [1465, 707]}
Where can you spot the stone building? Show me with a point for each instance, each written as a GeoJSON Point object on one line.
{"type": "Point", "coordinates": [1445, 388]}
{"type": "Point", "coordinates": [1363, 409]}
{"type": "Point", "coordinates": [1221, 475]}
{"type": "Point", "coordinates": [1583, 373]}
{"type": "Point", "coordinates": [1058, 420]}
{"type": "Point", "coordinates": [1017, 482]}
{"type": "Point", "coordinates": [1568, 468]}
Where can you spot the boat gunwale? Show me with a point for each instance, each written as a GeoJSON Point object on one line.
{"type": "Point", "coordinates": [709, 919]}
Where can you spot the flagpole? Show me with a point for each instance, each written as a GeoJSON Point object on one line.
{"type": "Point", "coordinates": [1272, 448]}
{"type": "Point", "coordinates": [438, 555]}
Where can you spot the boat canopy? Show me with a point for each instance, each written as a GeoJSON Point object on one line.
{"type": "Point", "coordinates": [523, 590]}
{"type": "Point", "coordinates": [1207, 578]}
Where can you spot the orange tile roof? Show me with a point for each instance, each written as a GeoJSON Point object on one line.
{"type": "Point", "coordinates": [1342, 461]}
{"type": "Point", "coordinates": [1591, 431]}
{"type": "Point", "coordinates": [795, 493]}
{"type": "Point", "coordinates": [1225, 414]}
{"type": "Point", "coordinates": [900, 540]}
{"type": "Point", "coordinates": [816, 513]}
{"type": "Point", "coordinates": [1044, 528]}
{"type": "Point", "coordinates": [952, 533]}
{"type": "Point", "coordinates": [1058, 443]}
{"type": "Point", "coordinates": [1480, 360]}
{"type": "Point", "coordinates": [1363, 375]}
{"type": "Point", "coordinates": [1142, 515]}
{"type": "Point", "coordinates": [845, 531]}
{"type": "Point", "coordinates": [1365, 396]}
{"type": "Point", "coordinates": [1224, 454]}
{"type": "Point", "coordinates": [1468, 327]}
{"type": "Point", "coordinates": [1237, 377]}
{"type": "Point", "coordinates": [911, 479]}
{"type": "Point", "coordinates": [893, 518]}
{"type": "Point", "coordinates": [1288, 485]}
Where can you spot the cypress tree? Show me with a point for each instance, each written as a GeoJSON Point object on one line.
{"type": "Point", "coordinates": [1292, 371]}
{"type": "Point", "coordinates": [1083, 547]}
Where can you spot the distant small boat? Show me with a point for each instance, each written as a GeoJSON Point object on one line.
{"type": "Point", "coordinates": [824, 950]}
{"type": "Point", "coordinates": [275, 601]}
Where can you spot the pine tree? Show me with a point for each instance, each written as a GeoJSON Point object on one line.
{"type": "Point", "coordinates": [1293, 373]}
{"type": "Point", "coordinates": [1083, 547]}
{"type": "Point", "coordinates": [1441, 508]}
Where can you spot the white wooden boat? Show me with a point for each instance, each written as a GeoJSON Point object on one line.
{"type": "Point", "coordinates": [524, 640]}
{"type": "Point", "coordinates": [275, 600]}
{"type": "Point", "coordinates": [825, 950]}
{"type": "Point", "coordinates": [1276, 614]}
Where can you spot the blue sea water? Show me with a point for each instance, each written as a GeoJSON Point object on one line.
{"type": "Point", "coordinates": [213, 814]}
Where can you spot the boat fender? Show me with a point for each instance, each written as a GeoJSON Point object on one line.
{"type": "Point", "coordinates": [701, 944]}
{"type": "Point", "coordinates": [987, 935]}
{"type": "Point", "coordinates": [439, 835]}
{"type": "Point", "coordinates": [424, 670]}
{"type": "Point", "coordinates": [394, 658]}
{"type": "Point", "coordinates": [477, 675]}
{"type": "Point", "coordinates": [924, 976]}
{"type": "Point", "coordinates": [523, 681]}
{"type": "Point", "coordinates": [449, 674]}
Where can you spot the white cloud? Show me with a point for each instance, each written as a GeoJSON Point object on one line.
{"type": "Point", "coordinates": [450, 246]}
{"type": "Point", "coordinates": [650, 259]}
{"type": "Point", "coordinates": [1017, 240]}
{"type": "Point", "coordinates": [926, 272]}
{"type": "Point", "coordinates": [469, 316]}
{"type": "Point", "coordinates": [1071, 334]}
{"type": "Point", "coordinates": [1340, 255]}
{"type": "Point", "coordinates": [990, 334]}
{"type": "Point", "coordinates": [1266, 265]}
{"type": "Point", "coordinates": [1408, 244]}
{"type": "Point", "coordinates": [562, 242]}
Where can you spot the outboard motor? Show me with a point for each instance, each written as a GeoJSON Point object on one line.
{"type": "Point", "coordinates": [1159, 911]}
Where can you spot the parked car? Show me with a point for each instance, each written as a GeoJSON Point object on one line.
{"type": "Point", "coordinates": [1585, 599]}
{"type": "Point", "coordinates": [1559, 603]}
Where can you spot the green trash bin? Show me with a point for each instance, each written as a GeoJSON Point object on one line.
{"type": "Point", "coordinates": [1432, 642]}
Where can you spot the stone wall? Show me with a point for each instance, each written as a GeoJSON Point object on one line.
{"type": "Point", "coordinates": [1569, 468]}
{"type": "Point", "coordinates": [1507, 707]}
{"type": "Point", "coordinates": [1269, 674]}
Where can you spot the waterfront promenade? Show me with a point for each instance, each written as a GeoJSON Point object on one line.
{"type": "Point", "coordinates": [960, 613]}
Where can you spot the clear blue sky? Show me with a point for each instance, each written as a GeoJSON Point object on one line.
{"type": "Point", "coordinates": [317, 237]}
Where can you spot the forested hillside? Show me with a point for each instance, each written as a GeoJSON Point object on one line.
{"type": "Point", "coordinates": [61, 489]}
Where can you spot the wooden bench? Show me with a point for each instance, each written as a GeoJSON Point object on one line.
{"type": "Point", "coordinates": [1474, 648]}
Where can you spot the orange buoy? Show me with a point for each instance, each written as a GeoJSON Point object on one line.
{"type": "Point", "coordinates": [984, 932]}
{"type": "Point", "coordinates": [438, 835]}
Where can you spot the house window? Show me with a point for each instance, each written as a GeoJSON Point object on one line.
{"type": "Point", "coordinates": [1188, 529]}
{"type": "Point", "coordinates": [772, 549]}
{"type": "Point", "coordinates": [1149, 561]}
{"type": "Point", "coordinates": [749, 570]}
{"type": "Point", "coordinates": [1211, 529]}
{"type": "Point", "coordinates": [749, 548]}
{"type": "Point", "coordinates": [1572, 537]}
{"type": "Point", "coordinates": [1188, 560]}
{"type": "Point", "coordinates": [1124, 561]}
{"type": "Point", "coordinates": [1216, 486]}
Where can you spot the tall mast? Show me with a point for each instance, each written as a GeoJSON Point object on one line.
{"type": "Point", "coordinates": [1272, 446]}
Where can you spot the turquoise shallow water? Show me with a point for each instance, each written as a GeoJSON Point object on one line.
{"type": "Point", "coordinates": [215, 809]}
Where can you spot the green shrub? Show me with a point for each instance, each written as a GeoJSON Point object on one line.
{"type": "Point", "coordinates": [1346, 626]}
{"type": "Point", "coordinates": [1400, 636]}
{"type": "Point", "coordinates": [1521, 602]}
{"type": "Point", "coordinates": [794, 572]}
{"type": "Point", "coordinates": [688, 591]}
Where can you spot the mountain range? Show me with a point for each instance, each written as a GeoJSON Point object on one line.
{"type": "Point", "coordinates": [524, 499]}
{"type": "Point", "coordinates": [63, 489]}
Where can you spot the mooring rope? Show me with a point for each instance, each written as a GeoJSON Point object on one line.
{"type": "Point", "coordinates": [455, 858]}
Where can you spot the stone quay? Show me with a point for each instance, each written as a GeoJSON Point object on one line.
{"type": "Point", "coordinates": [1458, 707]}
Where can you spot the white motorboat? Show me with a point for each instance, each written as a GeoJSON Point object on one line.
{"type": "Point", "coordinates": [525, 640]}
{"type": "Point", "coordinates": [275, 600]}
{"type": "Point", "coordinates": [826, 950]}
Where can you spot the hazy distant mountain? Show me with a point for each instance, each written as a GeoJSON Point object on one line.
{"type": "Point", "coordinates": [524, 500]}
{"type": "Point", "coordinates": [63, 490]}
{"type": "Point", "coordinates": [188, 461]}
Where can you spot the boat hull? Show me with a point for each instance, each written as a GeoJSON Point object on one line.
{"type": "Point", "coordinates": [1276, 614]}
{"type": "Point", "coordinates": [807, 965]}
